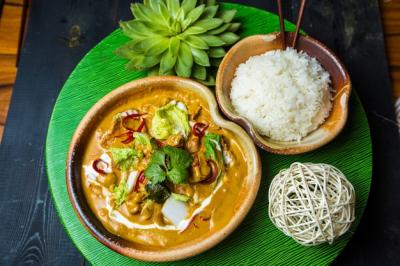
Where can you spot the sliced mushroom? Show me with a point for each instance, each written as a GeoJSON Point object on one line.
{"type": "Point", "coordinates": [193, 144]}
{"type": "Point", "coordinates": [200, 169]}
{"type": "Point", "coordinates": [147, 210]}
{"type": "Point", "coordinates": [158, 217]}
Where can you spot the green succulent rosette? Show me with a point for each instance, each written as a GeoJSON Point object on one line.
{"type": "Point", "coordinates": [172, 37]}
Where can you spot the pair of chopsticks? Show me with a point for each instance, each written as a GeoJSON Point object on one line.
{"type": "Point", "coordinates": [282, 23]}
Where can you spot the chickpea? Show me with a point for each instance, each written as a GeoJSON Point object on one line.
{"type": "Point", "coordinates": [107, 180]}
{"type": "Point", "coordinates": [95, 189]}
{"type": "Point", "coordinates": [132, 207]}
{"type": "Point", "coordinates": [184, 189]}
{"type": "Point", "coordinates": [175, 141]}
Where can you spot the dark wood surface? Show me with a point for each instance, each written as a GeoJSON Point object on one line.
{"type": "Point", "coordinates": [30, 230]}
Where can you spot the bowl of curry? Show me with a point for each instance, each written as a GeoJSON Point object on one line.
{"type": "Point", "coordinates": [155, 173]}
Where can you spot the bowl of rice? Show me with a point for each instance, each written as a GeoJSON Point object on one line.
{"type": "Point", "coordinates": [290, 101]}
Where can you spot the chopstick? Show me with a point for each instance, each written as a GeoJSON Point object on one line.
{"type": "Point", "coordinates": [282, 24]}
{"type": "Point", "coordinates": [299, 19]}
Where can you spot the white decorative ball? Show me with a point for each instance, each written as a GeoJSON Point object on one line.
{"type": "Point", "coordinates": [312, 203]}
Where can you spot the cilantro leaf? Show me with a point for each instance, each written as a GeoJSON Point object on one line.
{"type": "Point", "coordinates": [178, 157]}
{"type": "Point", "coordinates": [125, 158]}
{"type": "Point", "coordinates": [155, 173]}
{"type": "Point", "coordinates": [169, 163]}
{"type": "Point", "coordinates": [178, 175]}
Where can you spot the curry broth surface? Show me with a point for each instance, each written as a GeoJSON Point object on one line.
{"type": "Point", "coordinates": [223, 204]}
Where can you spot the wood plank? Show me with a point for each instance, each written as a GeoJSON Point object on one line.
{"type": "Point", "coordinates": [8, 70]}
{"type": "Point", "coordinates": [390, 10]}
{"type": "Point", "coordinates": [9, 29]}
{"type": "Point", "coordinates": [15, 2]}
{"type": "Point", "coordinates": [393, 49]}
{"type": "Point", "coordinates": [5, 97]}
{"type": "Point", "coordinates": [395, 74]}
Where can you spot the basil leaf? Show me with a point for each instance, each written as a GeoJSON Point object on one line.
{"type": "Point", "coordinates": [134, 28]}
{"type": "Point", "coordinates": [196, 42]}
{"type": "Point", "coordinates": [188, 5]}
{"type": "Point", "coordinates": [229, 37]}
{"type": "Point", "coordinates": [195, 13]}
{"type": "Point", "coordinates": [212, 40]}
{"type": "Point", "coordinates": [199, 72]}
{"type": "Point", "coordinates": [219, 30]}
{"type": "Point", "coordinates": [211, 2]}
{"type": "Point", "coordinates": [148, 62]}
{"type": "Point", "coordinates": [157, 192]}
{"type": "Point", "coordinates": [215, 61]}
{"type": "Point", "coordinates": [194, 30]}
{"type": "Point", "coordinates": [126, 52]}
{"type": "Point", "coordinates": [157, 47]}
{"type": "Point", "coordinates": [209, 81]}
{"type": "Point", "coordinates": [227, 15]}
{"type": "Point", "coordinates": [153, 71]}
{"type": "Point", "coordinates": [173, 7]}
{"type": "Point", "coordinates": [169, 58]}
{"type": "Point", "coordinates": [234, 27]}
{"type": "Point", "coordinates": [185, 61]}
{"type": "Point", "coordinates": [210, 12]}
{"type": "Point", "coordinates": [217, 52]}
{"type": "Point", "coordinates": [200, 57]}
{"type": "Point", "coordinates": [134, 63]}
{"type": "Point", "coordinates": [209, 24]}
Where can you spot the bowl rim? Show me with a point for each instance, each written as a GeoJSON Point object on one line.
{"type": "Point", "coordinates": [247, 125]}
{"type": "Point", "coordinates": [195, 246]}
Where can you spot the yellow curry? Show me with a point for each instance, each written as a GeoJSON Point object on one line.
{"type": "Point", "coordinates": [158, 172]}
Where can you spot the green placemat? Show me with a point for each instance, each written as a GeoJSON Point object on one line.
{"type": "Point", "coordinates": [256, 241]}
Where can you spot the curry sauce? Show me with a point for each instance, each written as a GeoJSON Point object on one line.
{"type": "Point", "coordinates": [189, 194]}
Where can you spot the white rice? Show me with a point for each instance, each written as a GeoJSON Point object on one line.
{"type": "Point", "coordinates": [284, 94]}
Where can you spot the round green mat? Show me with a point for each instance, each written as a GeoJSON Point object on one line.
{"type": "Point", "coordinates": [256, 241]}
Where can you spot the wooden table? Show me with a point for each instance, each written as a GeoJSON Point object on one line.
{"type": "Point", "coordinates": [30, 230]}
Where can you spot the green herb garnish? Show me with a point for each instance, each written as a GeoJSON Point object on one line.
{"type": "Point", "coordinates": [157, 192]}
{"type": "Point", "coordinates": [170, 120]}
{"type": "Point", "coordinates": [169, 163]}
{"type": "Point", "coordinates": [120, 192]}
{"type": "Point", "coordinates": [180, 197]}
{"type": "Point", "coordinates": [213, 146]}
{"type": "Point", "coordinates": [125, 158]}
{"type": "Point", "coordinates": [186, 38]}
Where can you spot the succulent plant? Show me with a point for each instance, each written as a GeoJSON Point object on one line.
{"type": "Point", "coordinates": [172, 37]}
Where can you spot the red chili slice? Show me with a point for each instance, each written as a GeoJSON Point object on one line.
{"type": "Point", "coordinates": [141, 126]}
{"type": "Point", "coordinates": [199, 129]}
{"type": "Point", "coordinates": [160, 143]}
{"type": "Point", "coordinates": [130, 117]}
{"type": "Point", "coordinates": [128, 135]}
{"type": "Point", "coordinates": [140, 180]}
{"type": "Point", "coordinates": [96, 167]}
{"type": "Point", "coordinates": [214, 172]}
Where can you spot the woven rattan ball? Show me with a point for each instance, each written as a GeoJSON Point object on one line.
{"type": "Point", "coordinates": [312, 203]}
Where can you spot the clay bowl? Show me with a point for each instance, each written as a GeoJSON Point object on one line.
{"type": "Point", "coordinates": [124, 247]}
{"type": "Point", "coordinates": [340, 82]}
